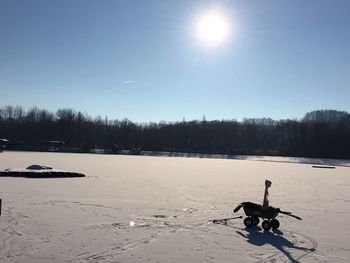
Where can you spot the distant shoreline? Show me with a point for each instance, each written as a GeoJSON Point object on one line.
{"type": "Point", "coordinates": [281, 159]}
{"type": "Point", "coordinates": [263, 158]}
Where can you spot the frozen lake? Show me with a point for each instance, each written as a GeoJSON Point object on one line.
{"type": "Point", "coordinates": [156, 209]}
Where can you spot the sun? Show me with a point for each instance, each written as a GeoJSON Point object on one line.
{"type": "Point", "coordinates": [212, 29]}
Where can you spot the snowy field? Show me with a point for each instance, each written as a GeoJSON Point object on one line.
{"type": "Point", "coordinates": [157, 209]}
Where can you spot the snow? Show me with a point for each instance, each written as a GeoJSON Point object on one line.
{"type": "Point", "coordinates": [158, 209]}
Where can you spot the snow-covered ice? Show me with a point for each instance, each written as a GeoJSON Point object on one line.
{"type": "Point", "coordinates": [158, 209]}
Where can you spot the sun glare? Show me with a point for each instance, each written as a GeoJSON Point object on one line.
{"type": "Point", "coordinates": [212, 29]}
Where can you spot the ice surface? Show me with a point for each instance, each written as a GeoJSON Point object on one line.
{"type": "Point", "coordinates": [170, 202]}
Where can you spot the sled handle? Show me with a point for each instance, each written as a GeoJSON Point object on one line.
{"type": "Point", "coordinates": [290, 214]}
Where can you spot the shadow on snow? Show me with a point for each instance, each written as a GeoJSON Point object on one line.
{"type": "Point", "coordinates": [276, 239]}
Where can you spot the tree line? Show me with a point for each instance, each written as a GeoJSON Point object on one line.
{"type": "Point", "coordinates": [322, 133]}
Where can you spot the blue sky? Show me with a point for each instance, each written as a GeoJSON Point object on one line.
{"type": "Point", "coordinates": [142, 60]}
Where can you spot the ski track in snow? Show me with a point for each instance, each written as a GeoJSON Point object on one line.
{"type": "Point", "coordinates": [96, 228]}
{"type": "Point", "coordinates": [190, 219]}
